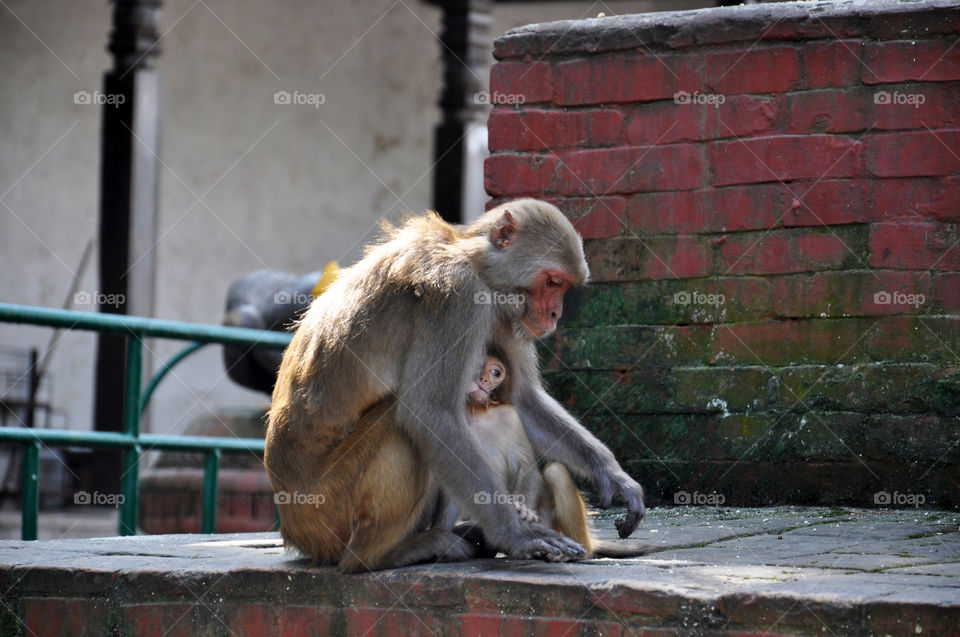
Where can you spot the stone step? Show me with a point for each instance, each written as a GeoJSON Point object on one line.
{"type": "Point", "coordinates": [715, 571]}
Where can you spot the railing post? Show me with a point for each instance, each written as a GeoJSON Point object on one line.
{"type": "Point", "coordinates": [210, 491]}
{"type": "Point", "coordinates": [31, 491]}
{"type": "Point", "coordinates": [130, 478]}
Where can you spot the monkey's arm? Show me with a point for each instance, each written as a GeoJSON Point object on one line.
{"type": "Point", "coordinates": [468, 479]}
{"type": "Point", "coordinates": [556, 435]}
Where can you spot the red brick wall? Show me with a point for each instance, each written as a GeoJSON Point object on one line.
{"type": "Point", "coordinates": [752, 184]}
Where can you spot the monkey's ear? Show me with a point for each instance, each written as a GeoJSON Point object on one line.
{"type": "Point", "coordinates": [504, 231]}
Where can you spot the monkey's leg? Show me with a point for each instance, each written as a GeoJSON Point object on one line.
{"type": "Point", "coordinates": [393, 491]}
{"type": "Point", "coordinates": [569, 512]}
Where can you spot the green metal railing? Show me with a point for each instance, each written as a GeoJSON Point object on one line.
{"type": "Point", "coordinates": [131, 440]}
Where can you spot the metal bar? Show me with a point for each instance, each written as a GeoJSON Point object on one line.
{"type": "Point", "coordinates": [170, 364]}
{"type": "Point", "coordinates": [31, 491]}
{"type": "Point", "coordinates": [129, 479]}
{"type": "Point", "coordinates": [210, 491]}
{"type": "Point", "coordinates": [63, 438]}
{"type": "Point", "coordinates": [161, 328]}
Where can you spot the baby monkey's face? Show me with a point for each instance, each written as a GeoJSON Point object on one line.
{"type": "Point", "coordinates": [493, 373]}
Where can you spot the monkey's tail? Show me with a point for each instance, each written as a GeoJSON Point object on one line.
{"type": "Point", "coordinates": [621, 548]}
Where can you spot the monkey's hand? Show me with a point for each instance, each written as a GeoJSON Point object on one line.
{"type": "Point", "coordinates": [617, 484]}
{"type": "Point", "coordinates": [533, 541]}
{"type": "Point", "coordinates": [526, 514]}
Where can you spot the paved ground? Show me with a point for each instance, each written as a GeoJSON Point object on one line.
{"type": "Point", "coordinates": [786, 570]}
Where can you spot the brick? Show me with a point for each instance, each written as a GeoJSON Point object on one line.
{"type": "Point", "coordinates": [928, 60]}
{"type": "Point", "coordinates": [630, 169]}
{"type": "Point", "coordinates": [946, 292]}
{"type": "Point", "coordinates": [832, 63]}
{"type": "Point", "coordinates": [741, 207]}
{"type": "Point", "coordinates": [625, 600]}
{"type": "Point", "coordinates": [631, 259]}
{"type": "Point", "coordinates": [671, 301]}
{"type": "Point", "coordinates": [511, 129]}
{"type": "Point", "coordinates": [304, 621]}
{"type": "Point", "coordinates": [709, 210]}
{"type": "Point", "coordinates": [603, 218]}
{"type": "Point", "coordinates": [250, 620]}
{"type": "Point", "coordinates": [851, 293]}
{"type": "Point", "coordinates": [480, 624]}
{"type": "Point", "coordinates": [936, 198]}
{"type": "Point", "coordinates": [829, 202]}
{"type": "Point", "coordinates": [534, 81]}
{"type": "Point", "coordinates": [903, 618]}
{"type": "Point", "coordinates": [790, 250]}
{"type": "Point", "coordinates": [915, 245]}
{"type": "Point", "coordinates": [665, 123]}
{"type": "Point", "coordinates": [514, 174]}
{"type": "Point", "coordinates": [390, 621]}
{"type": "Point", "coordinates": [786, 613]}
{"type": "Point", "coordinates": [620, 347]}
{"type": "Point", "coordinates": [915, 106]}
{"type": "Point", "coordinates": [784, 158]}
{"type": "Point", "coordinates": [61, 616]}
{"type": "Point", "coordinates": [758, 70]}
{"type": "Point", "coordinates": [666, 213]}
{"type": "Point", "coordinates": [830, 341]}
{"type": "Point", "coordinates": [828, 111]}
{"type": "Point", "coordinates": [916, 154]}
{"type": "Point", "coordinates": [143, 619]}
{"type": "Point", "coordinates": [740, 116]}
{"type": "Point", "coordinates": [633, 77]}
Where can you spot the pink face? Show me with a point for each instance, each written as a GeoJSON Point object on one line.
{"type": "Point", "coordinates": [491, 376]}
{"type": "Point", "coordinates": [546, 304]}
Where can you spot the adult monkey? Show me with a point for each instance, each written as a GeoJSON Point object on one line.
{"type": "Point", "coordinates": [368, 407]}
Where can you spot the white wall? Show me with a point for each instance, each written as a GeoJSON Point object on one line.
{"type": "Point", "coordinates": [311, 189]}
{"type": "Point", "coordinates": [289, 186]}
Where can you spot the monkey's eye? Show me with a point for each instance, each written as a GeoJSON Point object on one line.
{"type": "Point", "coordinates": [495, 372]}
{"type": "Point", "coordinates": [554, 282]}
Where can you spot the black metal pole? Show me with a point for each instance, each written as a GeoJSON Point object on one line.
{"type": "Point", "coordinates": [465, 53]}
{"type": "Point", "coordinates": [128, 205]}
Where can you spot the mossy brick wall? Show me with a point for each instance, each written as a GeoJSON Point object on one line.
{"type": "Point", "coordinates": [770, 203]}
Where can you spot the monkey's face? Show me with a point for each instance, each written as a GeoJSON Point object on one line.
{"type": "Point", "coordinates": [545, 304]}
{"type": "Point", "coordinates": [490, 378]}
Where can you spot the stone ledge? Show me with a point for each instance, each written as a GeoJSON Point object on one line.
{"type": "Point", "coordinates": [717, 571]}
{"type": "Point", "coordinates": [880, 19]}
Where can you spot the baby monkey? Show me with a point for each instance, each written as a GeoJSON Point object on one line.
{"type": "Point", "coordinates": [548, 496]}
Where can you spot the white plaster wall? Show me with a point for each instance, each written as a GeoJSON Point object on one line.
{"type": "Point", "coordinates": [289, 186]}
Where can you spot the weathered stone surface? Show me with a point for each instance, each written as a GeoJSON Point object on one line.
{"type": "Point", "coordinates": [715, 571]}
{"type": "Point", "coordinates": [683, 29]}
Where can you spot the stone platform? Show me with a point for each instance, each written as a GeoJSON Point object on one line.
{"type": "Point", "coordinates": [782, 571]}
